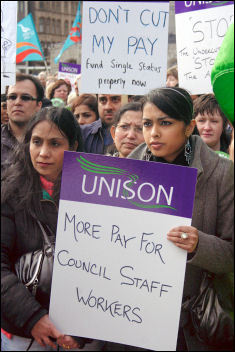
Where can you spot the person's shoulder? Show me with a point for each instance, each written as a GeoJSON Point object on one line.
{"type": "Point", "coordinates": [209, 160]}
{"type": "Point", "coordinates": [139, 152]}
{"type": "Point", "coordinates": [4, 129]}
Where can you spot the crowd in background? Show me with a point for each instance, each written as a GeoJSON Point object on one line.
{"type": "Point", "coordinates": [42, 117]}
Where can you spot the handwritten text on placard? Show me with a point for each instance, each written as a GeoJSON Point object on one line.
{"type": "Point", "coordinates": [200, 30]}
{"type": "Point", "coordinates": [124, 46]}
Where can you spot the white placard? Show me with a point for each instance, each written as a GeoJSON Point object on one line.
{"type": "Point", "coordinates": [117, 277]}
{"type": "Point", "coordinates": [199, 35]}
{"type": "Point", "coordinates": [124, 46]}
{"type": "Point", "coordinates": [8, 43]}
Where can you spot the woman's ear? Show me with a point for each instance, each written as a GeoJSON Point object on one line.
{"type": "Point", "coordinates": [112, 131]}
{"type": "Point", "coordinates": [74, 147]}
{"type": "Point", "coordinates": [190, 128]}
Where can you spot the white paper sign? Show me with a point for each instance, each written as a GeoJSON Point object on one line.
{"type": "Point", "coordinates": [113, 278]}
{"type": "Point", "coordinates": [199, 35]}
{"type": "Point", "coordinates": [124, 46]}
{"type": "Point", "coordinates": [8, 43]}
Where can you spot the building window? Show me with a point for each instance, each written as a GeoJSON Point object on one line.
{"type": "Point", "coordinates": [41, 25]}
{"type": "Point", "coordinates": [53, 5]}
{"type": "Point", "coordinates": [66, 27]}
{"type": "Point", "coordinates": [58, 6]}
{"type": "Point", "coordinates": [21, 6]}
{"type": "Point", "coordinates": [41, 5]}
{"type": "Point", "coordinates": [58, 27]}
{"type": "Point", "coordinates": [53, 27]}
{"type": "Point", "coordinates": [66, 7]}
{"type": "Point", "coordinates": [74, 7]}
{"type": "Point", "coordinates": [48, 25]}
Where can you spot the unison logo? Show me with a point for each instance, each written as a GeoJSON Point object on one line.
{"type": "Point", "coordinates": [211, 3]}
{"type": "Point", "coordinates": [148, 195]}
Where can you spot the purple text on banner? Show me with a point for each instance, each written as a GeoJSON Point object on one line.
{"type": "Point", "coordinates": [127, 183]}
{"type": "Point", "coordinates": [188, 6]}
{"type": "Point", "coordinates": [69, 68]}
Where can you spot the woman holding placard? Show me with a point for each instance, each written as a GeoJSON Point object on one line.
{"type": "Point", "coordinates": [167, 129]}
{"type": "Point", "coordinates": [30, 196]}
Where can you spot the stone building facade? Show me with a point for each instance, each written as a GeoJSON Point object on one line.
{"type": "Point", "coordinates": [53, 21]}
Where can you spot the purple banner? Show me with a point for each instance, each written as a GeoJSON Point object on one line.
{"type": "Point", "coordinates": [188, 6]}
{"type": "Point", "coordinates": [127, 183]}
{"type": "Point", "coordinates": [69, 68]}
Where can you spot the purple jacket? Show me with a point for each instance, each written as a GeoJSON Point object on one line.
{"type": "Point", "coordinates": [96, 137]}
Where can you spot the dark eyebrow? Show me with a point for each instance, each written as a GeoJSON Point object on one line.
{"type": "Point", "coordinates": [159, 118]}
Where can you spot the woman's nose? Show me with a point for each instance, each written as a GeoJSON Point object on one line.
{"type": "Point", "coordinates": [44, 151]}
{"type": "Point", "coordinates": [155, 132]}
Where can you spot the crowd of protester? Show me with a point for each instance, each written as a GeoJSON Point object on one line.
{"type": "Point", "coordinates": [41, 117]}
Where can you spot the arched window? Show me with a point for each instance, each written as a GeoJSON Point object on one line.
{"type": "Point", "coordinates": [41, 25]}
{"type": "Point", "coordinates": [58, 27]}
{"type": "Point", "coordinates": [66, 27]}
{"type": "Point", "coordinates": [53, 27]}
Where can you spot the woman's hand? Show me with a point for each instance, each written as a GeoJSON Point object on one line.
{"type": "Point", "coordinates": [190, 243]}
{"type": "Point", "coordinates": [43, 330]}
{"type": "Point", "coordinates": [67, 342]}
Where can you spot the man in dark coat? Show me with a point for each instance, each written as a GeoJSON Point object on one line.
{"type": "Point", "coordinates": [23, 100]}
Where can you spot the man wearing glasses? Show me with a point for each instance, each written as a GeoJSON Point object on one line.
{"type": "Point", "coordinates": [23, 100]}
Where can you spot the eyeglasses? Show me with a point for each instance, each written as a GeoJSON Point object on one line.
{"type": "Point", "coordinates": [23, 97]}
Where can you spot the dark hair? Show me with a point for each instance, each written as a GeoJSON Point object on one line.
{"type": "Point", "coordinates": [39, 88]}
{"type": "Point", "coordinates": [21, 178]}
{"type": "Point", "coordinates": [57, 84]}
{"type": "Point", "coordinates": [134, 106]}
{"type": "Point", "coordinates": [46, 103]}
{"type": "Point", "coordinates": [88, 100]}
{"type": "Point", "coordinates": [207, 104]}
{"type": "Point", "coordinates": [174, 101]}
{"type": "Point", "coordinates": [3, 98]}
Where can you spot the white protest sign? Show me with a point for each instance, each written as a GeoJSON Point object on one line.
{"type": "Point", "coordinates": [8, 43]}
{"type": "Point", "coordinates": [116, 276]}
{"type": "Point", "coordinates": [124, 46]}
{"type": "Point", "coordinates": [200, 29]}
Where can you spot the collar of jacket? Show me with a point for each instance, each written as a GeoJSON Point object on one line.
{"type": "Point", "coordinates": [93, 127]}
{"type": "Point", "coordinates": [204, 159]}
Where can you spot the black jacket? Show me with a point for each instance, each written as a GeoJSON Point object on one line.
{"type": "Point", "coordinates": [21, 234]}
{"type": "Point", "coordinates": [8, 143]}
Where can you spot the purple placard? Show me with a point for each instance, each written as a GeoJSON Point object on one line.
{"type": "Point", "coordinates": [69, 68]}
{"type": "Point", "coordinates": [149, 186]}
{"type": "Point", "coordinates": [188, 6]}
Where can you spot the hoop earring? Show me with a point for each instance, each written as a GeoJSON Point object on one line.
{"type": "Point", "coordinates": [188, 151]}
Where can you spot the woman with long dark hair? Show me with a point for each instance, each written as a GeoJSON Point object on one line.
{"type": "Point", "coordinates": [30, 193]}
{"type": "Point", "coordinates": [167, 130]}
